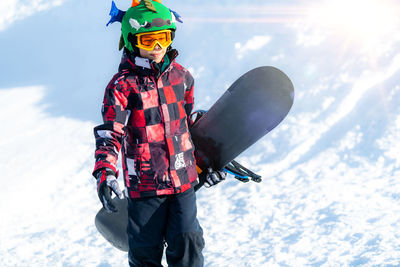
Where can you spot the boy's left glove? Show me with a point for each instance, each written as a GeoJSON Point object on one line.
{"type": "Point", "coordinates": [214, 177]}
{"type": "Point", "coordinates": [107, 182]}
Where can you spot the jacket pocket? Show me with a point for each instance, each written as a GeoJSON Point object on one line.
{"type": "Point", "coordinates": [143, 161]}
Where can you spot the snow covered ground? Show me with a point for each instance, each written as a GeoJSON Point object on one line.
{"type": "Point", "coordinates": [330, 194]}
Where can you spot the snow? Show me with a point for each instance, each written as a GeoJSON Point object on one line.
{"type": "Point", "coordinates": [50, 200]}
{"type": "Point", "coordinates": [330, 191]}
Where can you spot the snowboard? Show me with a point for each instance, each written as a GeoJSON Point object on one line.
{"type": "Point", "coordinates": [250, 108]}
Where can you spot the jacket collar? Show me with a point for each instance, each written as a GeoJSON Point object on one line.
{"type": "Point", "coordinates": [144, 66]}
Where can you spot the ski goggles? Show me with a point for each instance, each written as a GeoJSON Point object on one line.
{"type": "Point", "coordinates": [148, 40]}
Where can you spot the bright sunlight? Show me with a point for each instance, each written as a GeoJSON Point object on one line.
{"type": "Point", "coordinates": [362, 20]}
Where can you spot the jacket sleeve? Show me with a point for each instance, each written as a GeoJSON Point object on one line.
{"type": "Point", "coordinates": [109, 135]}
{"type": "Point", "coordinates": [189, 99]}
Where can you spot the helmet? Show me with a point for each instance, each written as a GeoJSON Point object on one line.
{"type": "Point", "coordinates": [146, 16]}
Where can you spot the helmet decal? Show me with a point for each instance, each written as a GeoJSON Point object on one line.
{"type": "Point", "coordinates": [116, 14]}
{"type": "Point", "coordinates": [135, 24]}
{"type": "Point", "coordinates": [135, 3]}
{"type": "Point", "coordinates": [176, 16]}
{"type": "Point", "coordinates": [157, 22]}
{"type": "Point", "coordinates": [149, 5]}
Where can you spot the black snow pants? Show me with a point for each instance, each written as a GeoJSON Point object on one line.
{"type": "Point", "coordinates": [168, 219]}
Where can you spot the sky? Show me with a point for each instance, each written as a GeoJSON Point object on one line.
{"type": "Point", "coordinates": [329, 195]}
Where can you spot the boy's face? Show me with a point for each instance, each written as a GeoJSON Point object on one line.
{"type": "Point", "coordinates": [157, 54]}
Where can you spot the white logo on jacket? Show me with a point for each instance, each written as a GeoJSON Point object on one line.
{"type": "Point", "coordinates": [179, 161]}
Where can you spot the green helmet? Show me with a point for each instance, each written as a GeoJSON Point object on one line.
{"type": "Point", "coordinates": [148, 16]}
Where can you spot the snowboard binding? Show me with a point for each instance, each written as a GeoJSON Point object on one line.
{"type": "Point", "coordinates": [241, 173]}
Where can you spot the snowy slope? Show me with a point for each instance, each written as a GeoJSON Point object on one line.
{"type": "Point", "coordinates": [49, 199]}
{"type": "Point", "coordinates": [330, 194]}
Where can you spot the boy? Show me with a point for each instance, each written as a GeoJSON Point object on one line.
{"type": "Point", "coordinates": [145, 111]}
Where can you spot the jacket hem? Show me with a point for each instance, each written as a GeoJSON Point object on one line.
{"type": "Point", "coordinates": [162, 192]}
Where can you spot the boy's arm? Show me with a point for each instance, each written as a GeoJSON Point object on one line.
{"type": "Point", "coordinates": [189, 99]}
{"type": "Point", "coordinates": [110, 134]}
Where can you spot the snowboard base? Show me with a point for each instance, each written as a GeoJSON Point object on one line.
{"type": "Point", "coordinates": [112, 226]}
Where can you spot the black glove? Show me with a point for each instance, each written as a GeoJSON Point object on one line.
{"type": "Point", "coordinates": [214, 177]}
{"type": "Point", "coordinates": [107, 182]}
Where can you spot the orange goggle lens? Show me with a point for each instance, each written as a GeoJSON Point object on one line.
{"type": "Point", "coordinates": [148, 41]}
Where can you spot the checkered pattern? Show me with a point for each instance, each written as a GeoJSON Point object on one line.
{"type": "Point", "coordinates": [145, 115]}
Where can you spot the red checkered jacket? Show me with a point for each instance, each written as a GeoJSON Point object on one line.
{"type": "Point", "coordinates": [145, 114]}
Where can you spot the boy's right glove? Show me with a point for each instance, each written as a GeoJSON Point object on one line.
{"type": "Point", "coordinates": [214, 177]}
{"type": "Point", "coordinates": [107, 182]}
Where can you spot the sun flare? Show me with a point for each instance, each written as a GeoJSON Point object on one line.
{"type": "Point", "coordinates": [363, 20]}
